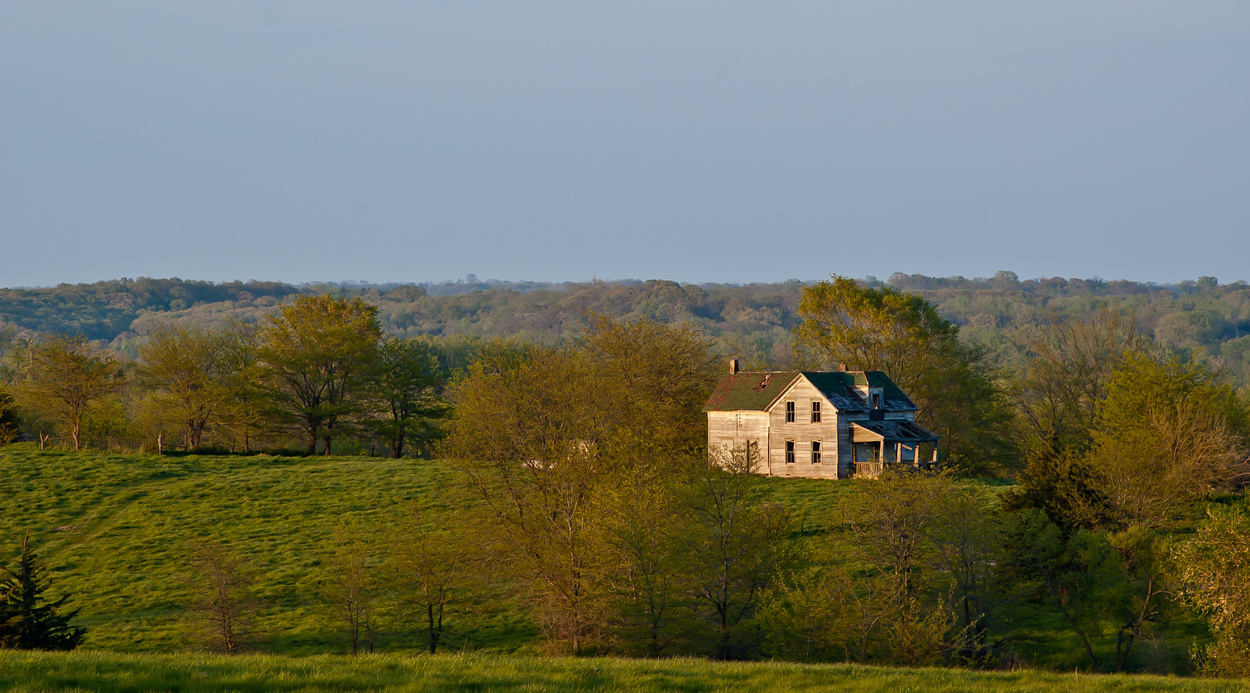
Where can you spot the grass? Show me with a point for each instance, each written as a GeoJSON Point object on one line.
{"type": "Point", "coordinates": [114, 529]}
{"type": "Point", "coordinates": [99, 671]}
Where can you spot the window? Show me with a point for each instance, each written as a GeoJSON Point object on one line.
{"type": "Point", "coordinates": [789, 412]}
{"type": "Point", "coordinates": [815, 412]}
{"type": "Point", "coordinates": [876, 400]}
{"type": "Point", "coordinates": [815, 452]}
{"type": "Point", "coordinates": [789, 452]}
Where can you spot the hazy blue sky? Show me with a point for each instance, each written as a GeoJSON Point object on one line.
{"type": "Point", "coordinates": [696, 141]}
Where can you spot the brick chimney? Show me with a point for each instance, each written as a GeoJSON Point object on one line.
{"type": "Point", "coordinates": [734, 366]}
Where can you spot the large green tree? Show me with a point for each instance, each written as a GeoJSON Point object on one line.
{"type": "Point", "coordinates": [186, 368]}
{"type": "Point", "coordinates": [1168, 433]}
{"type": "Point", "coordinates": [405, 388]}
{"type": "Point", "coordinates": [64, 377]}
{"type": "Point", "coordinates": [533, 433]}
{"type": "Point", "coordinates": [953, 384]}
{"type": "Point", "coordinates": [661, 375]}
{"type": "Point", "coordinates": [318, 351]}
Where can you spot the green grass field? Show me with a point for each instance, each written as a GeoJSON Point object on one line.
{"type": "Point", "coordinates": [97, 671]}
{"type": "Point", "coordinates": [114, 530]}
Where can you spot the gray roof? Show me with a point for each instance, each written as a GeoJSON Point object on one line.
{"type": "Point", "coordinates": [895, 431]}
{"type": "Point", "coordinates": [756, 391]}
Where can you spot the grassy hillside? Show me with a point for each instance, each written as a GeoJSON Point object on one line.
{"type": "Point", "coordinates": [118, 672]}
{"type": "Point", "coordinates": [115, 528]}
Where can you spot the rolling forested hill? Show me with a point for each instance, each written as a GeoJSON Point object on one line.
{"type": "Point", "coordinates": [752, 320]}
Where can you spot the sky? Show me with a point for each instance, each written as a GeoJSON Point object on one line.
{"type": "Point", "coordinates": [694, 141]}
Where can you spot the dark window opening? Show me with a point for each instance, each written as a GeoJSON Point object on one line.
{"type": "Point", "coordinates": [815, 412]}
{"type": "Point", "coordinates": [876, 401]}
{"type": "Point", "coordinates": [789, 452]}
{"type": "Point", "coordinates": [789, 412]}
{"type": "Point", "coordinates": [815, 452]}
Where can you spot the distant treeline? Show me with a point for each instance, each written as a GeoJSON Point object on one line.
{"type": "Point", "coordinates": [752, 320]}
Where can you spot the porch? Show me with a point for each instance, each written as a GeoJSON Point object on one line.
{"type": "Point", "coordinates": [875, 444]}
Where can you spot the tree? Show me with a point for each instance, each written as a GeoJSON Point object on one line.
{"type": "Point", "coordinates": [951, 383]}
{"type": "Point", "coordinates": [1069, 364]}
{"type": "Point", "coordinates": [1214, 573]}
{"type": "Point", "coordinates": [1080, 574]}
{"type": "Point", "coordinates": [248, 408]}
{"type": "Point", "coordinates": [662, 376]}
{"type": "Point", "coordinates": [405, 387]}
{"type": "Point", "coordinates": [893, 528]}
{"type": "Point", "coordinates": [1065, 485]}
{"type": "Point", "coordinates": [432, 568]}
{"type": "Point", "coordinates": [350, 589]}
{"type": "Point", "coordinates": [968, 537]}
{"type": "Point", "coordinates": [318, 349]}
{"type": "Point", "coordinates": [222, 599]}
{"type": "Point", "coordinates": [645, 520]}
{"type": "Point", "coordinates": [65, 375]}
{"type": "Point", "coordinates": [186, 367]}
{"type": "Point", "coordinates": [825, 613]}
{"type": "Point", "coordinates": [740, 547]}
{"type": "Point", "coordinates": [532, 433]}
{"type": "Point", "coordinates": [9, 421]}
{"type": "Point", "coordinates": [1167, 434]}
{"type": "Point", "coordinates": [28, 620]}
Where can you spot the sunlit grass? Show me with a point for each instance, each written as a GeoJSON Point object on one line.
{"type": "Point", "coordinates": [98, 671]}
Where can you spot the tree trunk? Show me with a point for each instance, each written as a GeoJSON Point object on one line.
{"type": "Point", "coordinates": [433, 628]}
{"type": "Point", "coordinates": [1089, 650]}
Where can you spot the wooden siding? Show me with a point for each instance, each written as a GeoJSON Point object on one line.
{"type": "Point", "coordinates": [734, 430]}
{"type": "Point", "coordinates": [835, 459]}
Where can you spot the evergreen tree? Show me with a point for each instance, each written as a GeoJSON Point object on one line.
{"type": "Point", "coordinates": [28, 621]}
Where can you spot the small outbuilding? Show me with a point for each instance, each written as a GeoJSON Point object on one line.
{"type": "Point", "coordinates": [823, 424]}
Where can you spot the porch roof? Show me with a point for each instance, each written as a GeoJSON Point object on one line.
{"type": "Point", "coordinates": [891, 432]}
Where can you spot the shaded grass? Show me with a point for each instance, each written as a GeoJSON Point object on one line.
{"type": "Point", "coordinates": [98, 671]}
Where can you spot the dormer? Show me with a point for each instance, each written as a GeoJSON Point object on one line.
{"type": "Point", "coordinates": [875, 397]}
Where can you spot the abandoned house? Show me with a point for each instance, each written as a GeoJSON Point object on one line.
{"type": "Point", "coordinates": [823, 424]}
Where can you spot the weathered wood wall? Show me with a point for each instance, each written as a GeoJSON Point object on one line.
{"type": "Point", "coordinates": [835, 460]}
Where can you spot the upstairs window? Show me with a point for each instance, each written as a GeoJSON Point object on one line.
{"type": "Point", "coordinates": [815, 412]}
{"type": "Point", "coordinates": [815, 452]}
{"type": "Point", "coordinates": [876, 400]}
{"type": "Point", "coordinates": [789, 412]}
{"type": "Point", "coordinates": [789, 452]}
